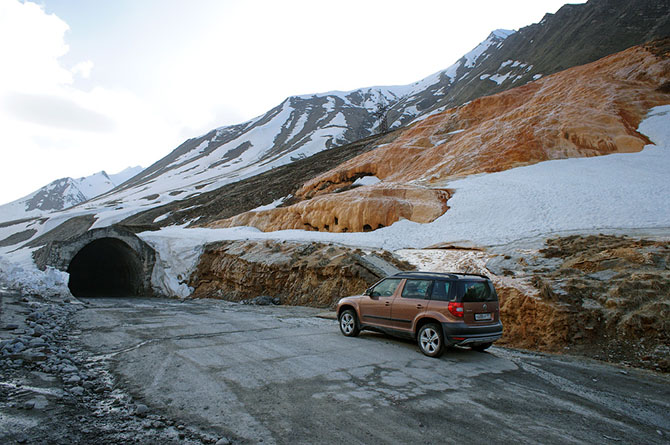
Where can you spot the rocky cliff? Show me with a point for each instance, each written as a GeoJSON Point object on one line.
{"type": "Point", "coordinates": [601, 296]}
{"type": "Point", "coordinates": [308, 274]}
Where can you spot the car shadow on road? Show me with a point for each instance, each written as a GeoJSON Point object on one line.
{"type": "Point", "coordinates": [452, 352]}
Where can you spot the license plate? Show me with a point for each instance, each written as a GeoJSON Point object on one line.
{"type": "Point", "coordinates": [481, 317]}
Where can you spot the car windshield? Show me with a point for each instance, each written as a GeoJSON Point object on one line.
{"type": "Point", "coordinates": [478, 291]}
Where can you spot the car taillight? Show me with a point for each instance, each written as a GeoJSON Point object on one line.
{"type": "Point", "coordinates": [456, 309]}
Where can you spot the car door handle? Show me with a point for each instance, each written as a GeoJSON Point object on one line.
{"type": "Point", "coordinates": [388, 303]}
{"type": "Point", "coordinates": [418, 306]}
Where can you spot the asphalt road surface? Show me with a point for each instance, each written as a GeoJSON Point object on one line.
{"type": "Point", "coordinates": [281, 375]}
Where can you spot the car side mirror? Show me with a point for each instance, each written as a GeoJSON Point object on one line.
{"type": "Point", "coordinates": [368, 292]}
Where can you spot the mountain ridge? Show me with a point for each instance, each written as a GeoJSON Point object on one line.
{"type": "Point", "coordinates": [304, 125]}
{"type": "Point", "coordinates": [66, 192]}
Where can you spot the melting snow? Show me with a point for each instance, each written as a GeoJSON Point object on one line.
{"type": "Point", "coordinates": [500, 78]}
{"type": "Point", "coordinates": [367, 180]}
{"type": "Point", "coordinates": [272, 205]}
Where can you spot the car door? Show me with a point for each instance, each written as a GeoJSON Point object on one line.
{"type": "Point", "coordinates": [412, 301]}
{"type": "Point", "coordinates": [375, 309]}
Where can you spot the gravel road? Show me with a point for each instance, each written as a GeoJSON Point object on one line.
{"type": "Point", "coordinates": [207, 371]}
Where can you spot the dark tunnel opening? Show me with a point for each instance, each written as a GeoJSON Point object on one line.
{"type": "Point", "coordinates": [106, 267]}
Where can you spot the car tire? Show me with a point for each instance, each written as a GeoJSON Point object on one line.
{"type": "Point", "coordinates": [349, 323]}
{"type": "Point", "coordinates": [481, 347]}
{"type": "Point", "coordinates": [431, 340]}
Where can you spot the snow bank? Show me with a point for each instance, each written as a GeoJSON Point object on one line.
{"type": "Point", "coordinates": [178, 251]}
{"type": "Point", "coordinates": [20, 274]}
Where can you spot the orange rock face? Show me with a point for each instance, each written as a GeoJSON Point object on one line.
{"type": "Point", "coordinates": [357, 210]}
{"type": "Point", "coordinates": [589, 110]}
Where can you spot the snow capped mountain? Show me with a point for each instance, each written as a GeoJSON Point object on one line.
{"type": "Point", "coordinates": [427, 92]}
{"type": "Point", "coordinates": [125, 174]}
{"type": "Point", "coordinates": [302, 126]}
{"type": "Point", "coordinates": [299, 127]}
{"type": "Point", "coordinates": [64, 193]}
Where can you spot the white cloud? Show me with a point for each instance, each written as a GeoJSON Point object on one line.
{"type": "Point", "coordinates": [83, 69]}
{"type": "Point", "coordinates": [49, 128]}
{"type": "Point", "coordinates": [32, 43]}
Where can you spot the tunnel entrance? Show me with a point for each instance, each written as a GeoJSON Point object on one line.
{"type": "Point", "coordinates": [106, 267]}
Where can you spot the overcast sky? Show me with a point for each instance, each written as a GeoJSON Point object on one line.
{"type": "Point", "coordinates": [102, 85]}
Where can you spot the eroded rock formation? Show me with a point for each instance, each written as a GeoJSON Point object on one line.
{"type": "Point", "coordinates": [356, 210]}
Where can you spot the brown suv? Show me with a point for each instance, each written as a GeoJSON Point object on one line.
{"type": "Point", "coordinates": [436, 309]}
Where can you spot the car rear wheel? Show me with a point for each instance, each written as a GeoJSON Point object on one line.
{"type": "Point", "coordinates": [349, 323]}
{"type": "Point", "coordinates": [482, 347]}
{"type": "Point", "coordinates": [431, 340]}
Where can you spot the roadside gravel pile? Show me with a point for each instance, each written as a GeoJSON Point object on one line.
{"type": "Point", "coordinates": [51, 391]}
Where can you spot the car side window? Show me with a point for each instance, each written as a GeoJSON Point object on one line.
{"type": "Point", "coordinates": [386, 288]}
{"type": "Point", "coordinates": [417, 289]}
{"type": "Point", "coordinates": [440, 291]}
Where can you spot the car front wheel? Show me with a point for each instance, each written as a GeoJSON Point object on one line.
{"type": "Point", "coordinates": [349, 323]}
{"type": "Point", "coordinates": [431, 340]}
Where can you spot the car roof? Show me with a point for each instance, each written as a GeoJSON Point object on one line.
{"type": "Point", "coordinates": [441, 275]}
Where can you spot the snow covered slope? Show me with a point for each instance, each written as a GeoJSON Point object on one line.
{"type": "Point", "coordinates": [427, 92]}
{"type": "Point", "coordinates": [64, 193]}
{"type": "Point", "coordinates": [303, 125]}
{"type": "Point", "coordinates": [575, 35]}
{"type": "Point", "coordinates": [295, 129]}
{"type": "Point", "coordinates": [619, 193]}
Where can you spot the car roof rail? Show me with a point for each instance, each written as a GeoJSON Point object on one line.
{"type": "Point", "coordinates": [449, 274]}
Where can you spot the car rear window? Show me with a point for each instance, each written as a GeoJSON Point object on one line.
{"type": "Point", "coordinates": [478, 291]}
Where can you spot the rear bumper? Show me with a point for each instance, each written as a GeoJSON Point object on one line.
{"type": "Point", "coordinates": [471, 334]}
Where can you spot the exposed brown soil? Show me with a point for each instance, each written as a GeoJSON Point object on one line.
{"type": "Point", "coordinates": [602, 296]}
{"type": "Point", "coordinates": [307, 274]}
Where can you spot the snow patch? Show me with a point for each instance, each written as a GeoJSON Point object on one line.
{"type": "Point", "coordinates": [500, 78]}
{"type": "Point", "coordinates": [273, 205]}
{"type": "Point", "coordinates": [367, 180]}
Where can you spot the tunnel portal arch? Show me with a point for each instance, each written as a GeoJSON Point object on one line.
{"type": "Point", "coordinates": [110, 261]}
{"type": "Point", "coordinates": [105, 267]}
